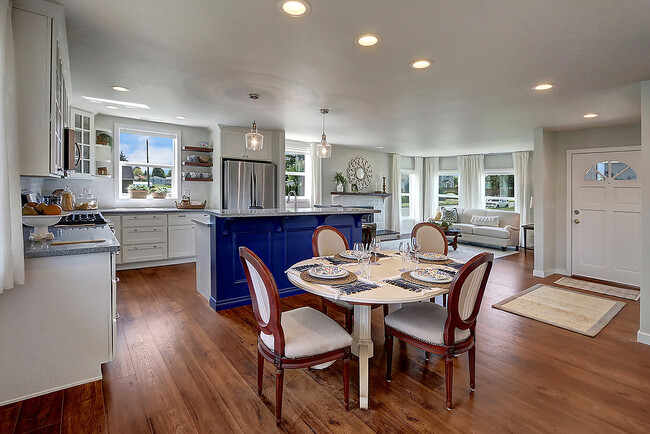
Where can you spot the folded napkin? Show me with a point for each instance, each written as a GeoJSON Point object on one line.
{"type": "Point", "coordinates": [354, 287]}
{"type": "Point", "coordinates": [306, 267]}
{"type": "Point", "coordinates": [335, 261]}
{"type": "Point", "coordinates": [401, 283]}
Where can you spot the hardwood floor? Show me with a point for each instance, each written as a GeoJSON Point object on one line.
{"type": "Point", "coordinates": [181, 367]}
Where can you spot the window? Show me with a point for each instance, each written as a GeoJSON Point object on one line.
{"type": "Point", "coordinates": [406, 198]}
{"type": "Point", "coordinates": [448, 189]}
{"type": "Point", "coordinates": [610, 169]}
{"type": "Point", "coordinates": [148, 160]}
{"type": "Point", "coordinates": [500, 190]}
{"type": "Point", "coordinates": [297, 170]}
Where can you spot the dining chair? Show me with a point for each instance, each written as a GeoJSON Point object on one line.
{"type": "Point", "coordinates": [432, 239]}
{"type": "Point", "coordinates": [328, 241]}
{"type": "Point", "coordinates": [299, 338]}
{"type": "Point", "coordinates": [444, 331]}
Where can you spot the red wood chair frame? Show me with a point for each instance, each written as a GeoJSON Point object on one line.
{"type": "Point", "coordinates": [444, 237]}
{"type": "Point", "coordinates": [450, 348]}
{"type": "Point", "coordinates": [274, 327]}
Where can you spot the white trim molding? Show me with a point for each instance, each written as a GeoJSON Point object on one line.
{"type": "Point", "coordinates": [643, 338]}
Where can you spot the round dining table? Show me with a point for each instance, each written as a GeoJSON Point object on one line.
{"type": "Point", "coordinates": [394, 296]}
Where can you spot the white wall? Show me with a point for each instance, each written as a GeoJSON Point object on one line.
{"type": "Point", "coordinates": [644, 329]}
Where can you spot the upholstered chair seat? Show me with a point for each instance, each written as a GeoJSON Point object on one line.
{"type": "Point", "coordinates": [423, 321]}
{"type": "Point", "coordinates": [308, 332]}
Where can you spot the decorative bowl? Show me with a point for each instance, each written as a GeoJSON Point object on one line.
{"type": "Point", "coordinates": [40, 223]}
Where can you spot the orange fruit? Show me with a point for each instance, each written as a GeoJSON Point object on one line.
{"type": "Point", "coordinates": [40, 207]}
{"type": "Point", "coordinates": [28, 210]}
{"type": "Point", "coordinates": [52, 209]}
{"type": "Point", "coordinates": [32, 204]}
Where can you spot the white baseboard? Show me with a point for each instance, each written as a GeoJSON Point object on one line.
{"type": "Point", "coordinates": [546, 273]}
{"type": "Point", "coordinates": [147, 264]}
{"type": "Point", "coordinates": [55, 389]}
{"type": "Point", "coordinates": [643, 337]}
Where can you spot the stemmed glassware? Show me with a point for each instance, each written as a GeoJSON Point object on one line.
{"type": "Point", "coordinates": [358, 252]}
{"type": "Point", "coordinates": [415, 248]}
{"type": "Point", "coordinates": [404, 250]}
{"type": "Point", "coordinates": [375, 245]}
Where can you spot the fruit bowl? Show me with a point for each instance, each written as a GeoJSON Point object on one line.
{"type": "Point", "coordinates": [40, 223]}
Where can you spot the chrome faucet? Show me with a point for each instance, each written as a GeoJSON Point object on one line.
{"type": "Point", "coordinates": [295, 199]}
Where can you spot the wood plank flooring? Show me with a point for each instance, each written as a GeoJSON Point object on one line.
{"type": "Point", "coordinates": [181, 367]}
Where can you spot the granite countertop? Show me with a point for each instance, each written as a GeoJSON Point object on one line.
{"type": "Point", "coordinates": [202, 221]}
{"type": "Point", "coordinates": [273, 212]}
{"type": "Point", "coordinates": [45, 248]}
{"type": "Point", "coordinates": [147, 210]}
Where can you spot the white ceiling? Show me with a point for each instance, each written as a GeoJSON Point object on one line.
{"type": "Point", "coordinates": [201, 58]}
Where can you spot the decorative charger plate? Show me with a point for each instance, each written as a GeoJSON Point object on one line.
{"type": "Point", "coordinates": [433, 256]}
{"type": "Point", "coordinates": [431, 275]}
{"type": "Point", "coordinates": [349, 254]}
{"type": "Point", "coordinates": [328, 272]}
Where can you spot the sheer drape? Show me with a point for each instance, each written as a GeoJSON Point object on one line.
{"type": "Point", "coordinates": [471, 181]}
{"type": "Point", "coordinates": [430, 184]}
{"type": "Point", "coordinates": [395, 191]}
{"type": "Point", "coordinates": [316, 176]}
{"type": "Point", "coordinates": [418, 190]}
{"type": "Point", "coordinates": [12, 262]}
{"type": "Point", "coordinates": [520, 162]}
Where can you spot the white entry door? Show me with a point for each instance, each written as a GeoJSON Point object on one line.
{"type": "Point", "coordinates": [606, 216]}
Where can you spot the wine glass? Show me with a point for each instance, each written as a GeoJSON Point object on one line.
{"type": "Point", "coordinates": [358, 253]}
{"type": "Point", "coordinates": [415, 247]}
{"type": "Point", "coordinates": [404, 253]}
{"type": "Point", "coordinates": [375, 245]}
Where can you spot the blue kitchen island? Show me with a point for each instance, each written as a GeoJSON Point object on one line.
{"type": "Point", "coordinates": [279, 237]}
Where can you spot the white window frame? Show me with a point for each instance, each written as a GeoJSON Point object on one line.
{"type": "Point", "coordinates": [447, 173]}
{"type": "Point", "coordinates": [487, 172]}
{"type": "Point", "coordinates": [117, 165]}
{"type": "Point", "coordinates": [303, 149]}
{"type": "Point", "coordinates": [411, 175]}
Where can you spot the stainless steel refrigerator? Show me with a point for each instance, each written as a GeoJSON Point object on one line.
{"type": "Point", "coordinates": [248, 184]}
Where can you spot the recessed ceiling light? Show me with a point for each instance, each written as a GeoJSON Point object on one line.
{"type": "Point", "coordinates": [130, 107]}
{"type": "Point", "coordinates": [367, 40]}
{"type": "Point", "coordinates": [181, 117]}
{"type": "Point", "coordinates": [420, 64]}
{"type": "Point", "coordinates": [114, 102]}
{"type": "Point", "coordinates": [120, 88]}
{"type": "Point", "coordinates": [379, 147]}
{"type": "Point", "coordinates": [294, 8]}
{"type": "Point", "coordinates": [590, 115]}
{"type": "Point", "coordinates": [544, 86]}
{"type": "Point", "coordinates": [112, 107]}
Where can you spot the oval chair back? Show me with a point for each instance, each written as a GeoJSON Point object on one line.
{"type": "Point", "coordinates": [432, 239]}
{"type": "Point", "coordinates": [265, 297]}
{"type": "Point", "coordinates": [328, 241]}
{"type": "Point", "coordinates": [466, 294]}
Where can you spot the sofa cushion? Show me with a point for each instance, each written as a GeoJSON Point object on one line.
{"type": "Point", "coordinates": [424, 321]}
{"type": "Point", "coordinates": [484, 220]}
{"type": "Point", "coordinates": [488, 231]}
{"type": "Point", "coordinates": [464, 228]}
{"type": "Point", "coordinates": [465, 214]}
{"type": "Point", "coordinates": [449, 215]}
{"type": "Point", "coordinates": [506, 218]}
{"type": "Point", "coordinates": [308, 332]}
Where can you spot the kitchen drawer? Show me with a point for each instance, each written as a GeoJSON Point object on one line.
{"type": "Point", "coordinates": [184, 219]}
{"type": "Point", "coordinates": [144, 235]}
{"type": "Point", "coordinates": [138, 220]}
{"type": "Point", "coordinates": [145, 252]}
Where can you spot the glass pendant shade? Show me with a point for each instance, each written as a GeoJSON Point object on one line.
{"type": "Point", "coordinates": [324, 148]}
{"type": "Point", "coordinates": [254, 140]}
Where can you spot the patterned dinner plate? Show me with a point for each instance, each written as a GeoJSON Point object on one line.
{"type": "Point", "coordinates": [349, 254]}
{"type": "Point", "coordinates": [431, 275]}
{"type": "Point", "coordinates": [328, 272]}
{"type": "Point", "coordinates": [433, 256]}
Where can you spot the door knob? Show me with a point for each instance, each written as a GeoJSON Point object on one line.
{"type": "Point", "coordinates": [576, 221]}
{"type": "Point", "coordinates": [576, 212]}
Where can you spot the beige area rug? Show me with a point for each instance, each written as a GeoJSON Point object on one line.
{"type": "Point", "coordinates": [571, 310]}
{"type": "Point", "coordinates": [464, 253]}
{"type": "Point", "coordinates": [614, 291]}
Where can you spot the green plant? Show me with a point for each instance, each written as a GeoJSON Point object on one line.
{"type": "Point", "coordinates": [339, 178]}
{"type": "Point", "coordinates": [105, 139]}
{"type": "Point", "coordinates": [138, 187]}
{"type": "Point", "coordinates": [159, 189]}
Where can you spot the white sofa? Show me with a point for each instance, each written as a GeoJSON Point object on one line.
{"type": "Point", "coordinates": [507, 234]}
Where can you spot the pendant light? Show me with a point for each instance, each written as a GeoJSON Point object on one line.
{"type": "Point", "coordinates": [254, 140]}
{"type": "Point", "coordinates": [324, 148]}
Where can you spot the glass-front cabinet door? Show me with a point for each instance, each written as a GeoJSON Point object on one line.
{"type": "Point", "coordinates": [83, 135]}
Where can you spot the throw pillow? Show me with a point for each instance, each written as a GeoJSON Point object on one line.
{"type": "Point", "coordinates": [481, 220]}
{"type": "Point", "coordinates": [449, 215]}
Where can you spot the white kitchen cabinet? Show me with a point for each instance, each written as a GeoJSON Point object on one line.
{"type": "Point", "coordinates": [184, 219]}
{"type": "Point", "coordinates": [142, 220]}
{"type": "Point", "coordinates": [83, 125]}
{"type": "Point", "coordinates": [233, 144]}
{"type": "Point", "coordinates": [42, 85]}
{"type": "Point", "coordinates": [144, 235]}
{"type": "Point", "coordinates": [181, 241]}
{"type": "Point", "coordinates": [144, 252]}
{"type": "Point", "coordinates": [116, 221]}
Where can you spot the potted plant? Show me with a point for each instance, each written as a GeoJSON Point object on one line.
{"type": "Point", "coordinates": [105, 139]}
{"type": "Point", "coordinates": [340, 181]}
{"type": "Point", "coordinates": [138, 191]}
{"type": "Point", "coordinates": [159, 192]}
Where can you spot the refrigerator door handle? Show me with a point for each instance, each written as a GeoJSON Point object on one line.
{"type": "Point", "coordinates": [255, 190]}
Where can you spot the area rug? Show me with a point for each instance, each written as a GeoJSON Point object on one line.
{"type": "Point", "coordinates": [614, 291]}
{"type": "Point", "coordinates": [571, 310]}
{"type": "Point", "coordinates": [464, 253]}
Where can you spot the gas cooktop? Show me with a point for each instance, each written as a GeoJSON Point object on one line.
{"type": "Point", "coordinates": [83, 218]}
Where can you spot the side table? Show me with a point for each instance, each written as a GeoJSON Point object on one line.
{"type": "Point", "coordinates": [526, 228]}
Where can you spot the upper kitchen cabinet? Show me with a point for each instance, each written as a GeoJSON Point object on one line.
{"type": "Point", "coordinates": [84, 137]}
{"type": "Point", "coordinates": [42, 85]}
{"type": "Point", "coordinates": [233, 144]}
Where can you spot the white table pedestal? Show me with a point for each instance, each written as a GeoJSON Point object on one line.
{"type": "Point", "coordinates": [362, 347]}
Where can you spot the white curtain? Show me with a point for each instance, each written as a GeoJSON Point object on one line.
{"type": "Point", "coordinates": [395, 191]}
{"type": "Point", "coordinates": [430, 183]}
{"type": "Point", "coordinates": [471, 181]}
{"type": "Point", "coordinates": [520, 162]}
{"type": "Point", "coordinates": [12, 262]}
{"type": "Point", "coordinates": [316, 176]}
{"type": "Point", "coordinates": [418, 190]}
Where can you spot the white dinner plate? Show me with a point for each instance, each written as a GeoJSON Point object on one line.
{"type": "Point", "coordinates": [328, 272]}
{"type": "Point", "coordinates": [431, 275]}
{"type": "Point", "coordinates": [349, 254]}
{"type": "Point", "coordinates": [434, 256]}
